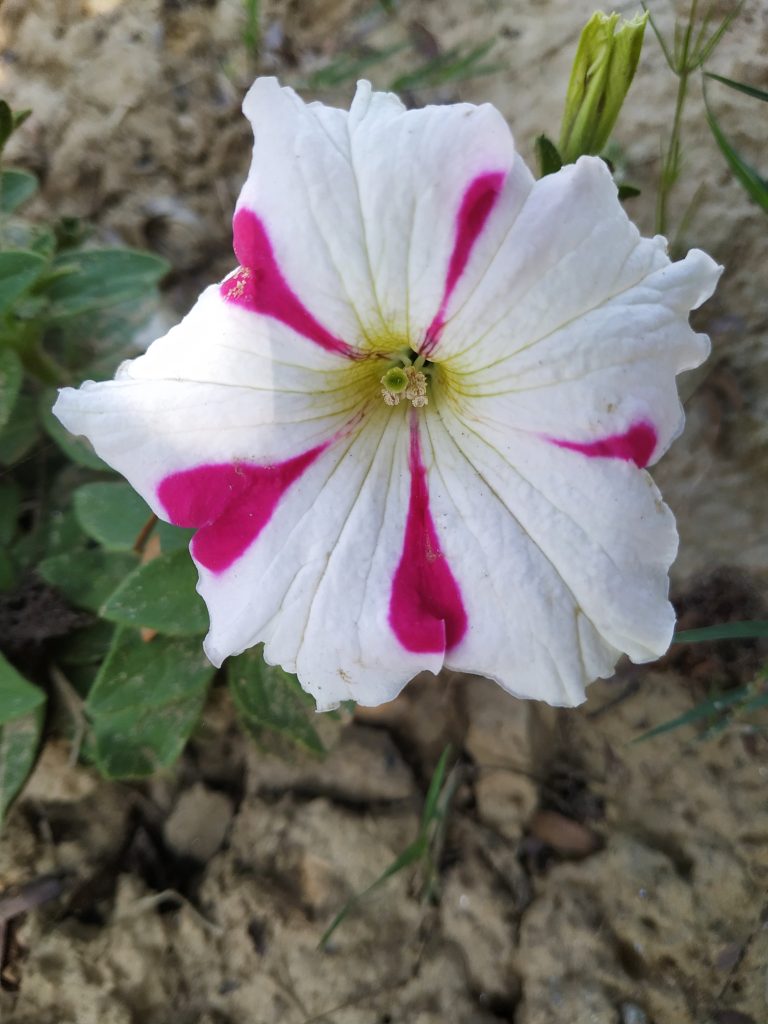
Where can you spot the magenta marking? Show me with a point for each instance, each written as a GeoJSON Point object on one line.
{"type": "Point", "coordinates": [259, 285]}
{"type": "Point", "coordinates": [637, 444]}
{"type": "Point", "coordinates": [479, 199]}
{"type": "Point", "coordinates": [426, 612]}
{"type": "Point", "coordinates": [229, 504]}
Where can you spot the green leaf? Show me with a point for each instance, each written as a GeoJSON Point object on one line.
{"type": "Point", "coordinates": [20, 433]}
{"type": "Point", "coordinates": [755, 185]}
{"type": "Point", "coordinates": [266, 697]}
{"type": "Point", "coordinates": [87, 578]}
{"type": "Point", "coordinates": [10, 500]}
{"type": "Point", "coordinates": [160, 595]}
{"type": "Point", "coordinates": [98, 278]}
{"type": "Point", "coordinates": [75, 448]}
{"type": "Point", "coordinates": [15, 188]}
{"type": "Point", "coordinates": [19, 269]}
{"type": "Point", "coordinates": [6, 123]}
{"type": "Point", "coordinates": [19, 741]}
{"type": "Point", "coordinates": [548, 156]}
{"type": "Point", "coordinates": [628, 192]}
{"type": "Point", "coordinates": [37, 238]}
{"type": "Point", "coordinates": [11, 376]}
{"type": "Point", "coordinates": [87, 646]}
{"type": "Point", "coordinates": [17, 696]}
{"type": "Point", "coordinates": [725, 631]}
{"type": "Point", "coordinates": [111, 513]}
{"type": "Point", "coordinates": [749, 90]}
{"type": "Point", "coordinates": [145, 703]}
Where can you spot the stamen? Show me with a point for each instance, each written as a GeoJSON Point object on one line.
{"type": "Point", "coordinates": [405, 382]}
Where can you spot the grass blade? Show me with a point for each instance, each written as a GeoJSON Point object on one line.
{"type": "Point", "coordinates": [748, 90]}
{"type": "Point", "coordinates": [706, 709]}
{"type": "Point", "coordinates": [755, 185]}
{"type": "Point", "coordinates": [749, 630]}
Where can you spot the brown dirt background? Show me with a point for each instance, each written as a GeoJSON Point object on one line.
{"type": "Point", "coordinates": [583, 879]}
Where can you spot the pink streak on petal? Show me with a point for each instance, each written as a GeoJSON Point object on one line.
{"type": "Point", "coordinates": [426, 612]}
{"type": "Point", "coordinates": [259, 285]}
{"type": "Point", "coordinates": [479, 199]}
{"type": "Point", "coordinates": [637, 444]}
{"type": "Point", "coordinates": [229, 503]}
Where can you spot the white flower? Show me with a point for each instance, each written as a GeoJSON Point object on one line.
{"type": "Point", "coordinates": [411, 427]}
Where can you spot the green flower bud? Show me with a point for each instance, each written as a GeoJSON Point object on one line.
{"type": "Point", "coordinates": [603, 69]}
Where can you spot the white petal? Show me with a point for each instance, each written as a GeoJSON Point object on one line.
{"type": "Point", "coordinates": [225, 385]}
{"type": "Point", "coordinates": [570, 249]}
{"type": "Point", "coordinates": [561, 566]}
{"type": "Point", "coordinates": [606, 372]}
{"type": "Point", "coordinates": [361, 208]}
{"type": "Point", "coordinates": [316, 585]}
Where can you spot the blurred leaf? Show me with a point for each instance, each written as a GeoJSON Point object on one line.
{"type": "Point", "coordinates": [19, 270]}
{"type": "Point", "coordinates": [725, 631]}
{"type": "Point", "coordinates": [160, 595]}
{"type": "Point", "coordinates": [9, 573]}
{"type": "Point", "coordinates": [173, 538]}
{"type": "Point", "coordinates": [37, 238]}
{"type": "Point", "coordinates": [755, 185]}
{"type": "Point", "coordinates": [19, 117]}
{"type": "Point", "coordinates": [266, 697]}
{"type": "Point", "coordinates": [350, 67]}
{"type": "Point", "coordinates": [86, 646]}
{"type": "Point", "coordinates": [62, 533]}
{"type": "Point", "coordinates": [628, 192]}
{"type": "Point", "coordinates": [749, 90]}
{"type": "Point", "coordinates": [19, 741]}
{"type": "Point", "coordinates": [17, 696]}
{"type": "Point", "coordinates": [111, 513]}
{"type": "Point", "coordinates": [11, 375]}
{"type": "Point", "coordinates": [99, 278]}
{"type": "Point", "coordinates": [455, 65]}
{"type": "Point", "coordinates": [88, 577]}
{"type": "Point", "coordinates": [21, 432]}
{"type": "Point", "coordinates": [10, 499]}
{"type": "Point", "coordinates": [75, 448]}
{"type": "Point", "coordinates": [252, 30]}
{"type": "Point", "coordinates": [15, 188]}
{"type": "Point", "coordinates": [548, 156]}
{"type": "Point", "coordinates": [6, 123]}
{"type": "Point", "coordinates": [145, 703]}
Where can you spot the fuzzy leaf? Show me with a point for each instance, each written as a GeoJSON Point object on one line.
{"type": "Point", "coordinates": [145, 702]}
{"type": "Point", "coordinates": [266, 697]}
{"type": "Point", "coordinates": [19, 269]}
{"type": "Point", "coordinates": [11, 375]}
{"type": "Point", "coordinates": [15, 188]}
{"type": "Point", "coordinates": [87, 578]}
{"type": "Point", "coordinates": [17, 696]}
{"type": "Point", "coordinates": [95, 279]}
{"type": "Point", "coordinates": [160, 595]}
{"type": "Point", "coordinates": [19, 741]}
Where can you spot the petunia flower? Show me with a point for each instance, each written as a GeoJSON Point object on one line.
{"type": "Point", "coordinates": [411, 428]}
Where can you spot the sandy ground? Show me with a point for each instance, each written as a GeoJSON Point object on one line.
{"type": "Point", "coordinates": [583, 879]}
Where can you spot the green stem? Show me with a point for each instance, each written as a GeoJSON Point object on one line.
{"type": "Point", "coordinates": [671, 167]}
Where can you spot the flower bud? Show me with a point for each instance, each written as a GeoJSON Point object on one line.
{"type": "Point", "coordinates": [603, 69]}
